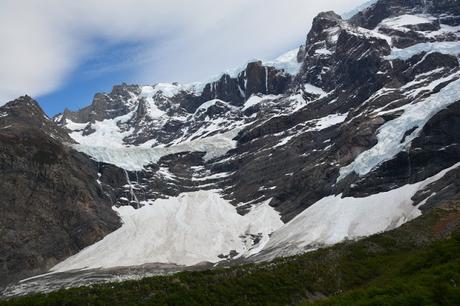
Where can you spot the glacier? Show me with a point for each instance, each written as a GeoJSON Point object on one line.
{"type": "Point", "coordinates": [391, 136]}
{"type": "Point", "coordinates": [446, 47]}
{"type": "Point", "coordinates": [336, 218]}
{"type": "Point", "coordinates": [191, 228]}
{"type": "Point", "coordinates": [134, 158]}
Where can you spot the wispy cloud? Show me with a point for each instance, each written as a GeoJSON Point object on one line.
{"type": "Point", "coordinates": [43, 41]}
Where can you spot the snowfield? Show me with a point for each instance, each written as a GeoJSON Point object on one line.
{"type": "Point", "coordinates": [391, 136]}
{"type": "Point", "coordinates": [186, 230]}
{"type": "Point", "coordinates": [448, 47]}
{"type": "Point", "coordinates": [334, 219]}
{"type": "Point", "coordinates": [202, 226]}
{"type": "Point", "coordinates": [108, 140]}
{"type": "Point", "coordinates": [134, 158]}
{"type": "Point", "coordinates": [286, 61]}
{"type": "Point", "coordinates": [400, 22]}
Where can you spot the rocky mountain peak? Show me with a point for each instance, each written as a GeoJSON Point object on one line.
{"type": "Point", "coordinates": [104, 105]}
{"type": "Point", "coordinates": [373, 15]}
{"type": "Point", "coordinates": [348, 136]}
{"type": "Point", "coordinates": [23, 115]}
{"type": "Point", "coordinates": [50, 202]}
{"type": "Point", "coordinates": [324, 26]}
{"type": "Point", "coordinates": [24, 107]}
{"type": "Point", "coordinates": [323, 21]}
{"type": "Point", "coordinates": [382, 9]}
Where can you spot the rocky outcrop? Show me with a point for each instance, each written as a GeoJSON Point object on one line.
{"type": "Point", "coordinates": [346, 72]}
{"type": "Point", "coordinates": [437, 147]}
{"type": "Point", "coordinates": [104, 106]}
{"type": "Point", "coordinates": [372, 16]}
{"type": "Point", "coordinates": [51, 203]}
{"type": "Point", "coordinates": [382, 9]}
{"type": "Point", "coordinates": [263, 134]}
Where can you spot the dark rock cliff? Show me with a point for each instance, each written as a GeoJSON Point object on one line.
{"type": "Point", "coordinates": [290, 142]}
{"type": "Point", "coordinates": [51, 204]}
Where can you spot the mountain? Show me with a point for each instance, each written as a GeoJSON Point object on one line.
{"type": "Point", "coordinates": [51, 204]}
{"type": "Point", "coordinates": [354, 133]}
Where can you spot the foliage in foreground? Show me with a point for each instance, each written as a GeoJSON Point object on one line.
{"type": "Point", "coordinates": [417, 264]}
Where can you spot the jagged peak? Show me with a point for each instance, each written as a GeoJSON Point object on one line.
{"type": "Point", "coordinates": [351, 123]}
{"type": "Point", "coordinates": [322, 22]}
{"type": "Point", "coordinates": [124, 88]}
{"type": "Point", "coordinates": [330, 15]}
{"type": "Point", "coordinates": [24, 105]}
{"type": "Point", "coordinates": [371, 16]}
{"type": "Point", "coordinates": [24, 115]}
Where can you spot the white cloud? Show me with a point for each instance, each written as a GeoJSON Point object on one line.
{"type": "Point", "coordinates": [42, 41]}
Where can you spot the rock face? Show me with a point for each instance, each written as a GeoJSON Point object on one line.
{"type": "Point", "coordinates": [51, 203]}
{"type": "Point", "coordinates": [105, 106]}
{"type": "Point", "coordinates": [358, 128]}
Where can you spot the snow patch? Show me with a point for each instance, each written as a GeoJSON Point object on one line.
{"type": "Point", "coordinates": [167, 90]}
{"type": "Point", "coordinates": [391, 136]}
{"type": "Point", "coordinates": [323, 51]}
{"type": "Point", "coordinates": [284, 141]}
{"type": "Point", "coordinates": [186, 230]}
{"type": "Point", "coordinates": [208, 104]}
{"type": "Point", "coordinates": [256, 99]}
{"type": "Point", "coordinates": [334, 219]}
{"type": "Point", "coordinates": [314, 90]}
{"type": "Point", "coordinates": [400, 22]}
{"type": "Point", "coordinates": [135, 158]}
{"type": "Point", "coordinates": [106, 133]}
{"type": "Point", "coordinates": [328, 121]}
{"type": "Point", "coordinates": [287, 62]}
{"type": "Point", "coordinates": [448, 47]}
{"type": "Point", "coordinates": [148, 92]}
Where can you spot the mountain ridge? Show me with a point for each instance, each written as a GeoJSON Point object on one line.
{"type": "Point", "coordinates": [364, 109]}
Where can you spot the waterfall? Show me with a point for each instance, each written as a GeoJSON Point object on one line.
{"type": "Point", "coordinates": [242, 93]}
{"type": "Point", "coordinates": [425, 4]}
{"type": "Point", "coordinates": [266, 80]}
{"type": "Point", "coordinates": [131, 189]}
{"type": "Point", "coordinates": [137, 181]}
{"type": "Point", "coordinates": [99, 174]}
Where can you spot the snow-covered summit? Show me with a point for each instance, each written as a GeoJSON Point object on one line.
{"type": "Point", "coordinates": [387, 71]}
{"type": "Point", "coordinates": [355, 133]}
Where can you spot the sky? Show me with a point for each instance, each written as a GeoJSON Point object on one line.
{"type": "Point", "coordinates": [61, 52]}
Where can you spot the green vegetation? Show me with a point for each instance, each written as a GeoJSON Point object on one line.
{"type": "Point", "coordinates": [417, 264]}
{"type": "Point", "coordinates": [430, 276]}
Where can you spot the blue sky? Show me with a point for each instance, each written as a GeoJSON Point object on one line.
{"type": "Point", "coordinates": [62, 52]}
{"type": "Point", "coordinates": [98, 73]}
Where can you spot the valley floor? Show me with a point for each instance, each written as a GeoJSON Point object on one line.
{"type": "Point", "coordinates": [416, 264]}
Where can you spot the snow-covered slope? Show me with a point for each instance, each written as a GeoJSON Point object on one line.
{"type": "Point", "coordinates": [336, 218]}
{"type": "Point", "coordinates": [302, 129]}
{"type": "Point", "coordinates": [354, 133]}
{"type": "Point", "coordinates": [306, 133]}
{"type": "Point", "coordinates": [188, 229]}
